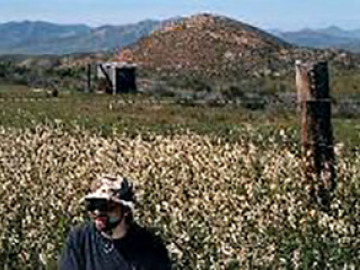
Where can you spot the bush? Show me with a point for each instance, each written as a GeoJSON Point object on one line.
{"type": "Point", "coordinates": [190, 82]}
{"type": "Point", "coordinates": [218, 204]}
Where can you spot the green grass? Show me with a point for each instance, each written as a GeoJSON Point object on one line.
{"type": "Point", "coordinates": [98, 111]}
{"type": "Point", "coordinates": [103, 113]}
{"type": "Point", "coordinates": [8, 89]}
{"type": "Point", "coordinates": [345, 82]}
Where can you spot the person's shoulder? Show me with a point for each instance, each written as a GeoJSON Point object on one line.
{"type": "Point", "coordinates": [147, 238]}
{"type": "Point", "coordinates": [151, 247]}
{"type": "Point", "coordinates": [147, 235]}
{"type": "Point", "coordinates": [80, 232]}
{"type": "Point", "coordinates": [82, 228]}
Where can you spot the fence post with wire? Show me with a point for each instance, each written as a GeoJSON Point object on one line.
{"type": "Point", "coordinates": [314, 104]}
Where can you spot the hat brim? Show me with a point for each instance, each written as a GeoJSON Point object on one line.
{"type": "Point", "coordinates": [97, 196]}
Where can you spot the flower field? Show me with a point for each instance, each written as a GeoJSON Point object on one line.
{"type": "Point", "coordinates": [218, 204]}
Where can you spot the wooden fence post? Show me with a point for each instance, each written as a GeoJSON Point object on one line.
{"type": "Point", "coordinates": [312, 82]}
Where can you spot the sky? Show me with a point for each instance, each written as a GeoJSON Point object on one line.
{"type": "Point", "coordinates": [266, 14]}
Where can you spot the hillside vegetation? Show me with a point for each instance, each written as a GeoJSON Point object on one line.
{"type": "Point", "coordinates": [214, 47]}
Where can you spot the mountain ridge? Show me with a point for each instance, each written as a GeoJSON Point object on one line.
{"type": "Point", "coordinates": [38, 37]}
{"type": "Point", "coordinates": [201, 48]}
{"type": "Point", "coordinates": [323, 38]}
{"type": "Point", "coordinates": [42, 37]}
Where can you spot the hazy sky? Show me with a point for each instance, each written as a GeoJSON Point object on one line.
{"type": "Point", "coordinates": [283, 14]}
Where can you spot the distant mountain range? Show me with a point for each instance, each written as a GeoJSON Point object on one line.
{"type": "Point", "coordinates": [47, 38]}
{"type": "Point", "coordinates": [330, 37]}
{"type": "Point", "coordinates": [203, 49]}
{"type": "Point", "coordinates": [38, 38]}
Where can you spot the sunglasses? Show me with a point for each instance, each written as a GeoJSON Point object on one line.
{"type": "Point", "coordinates": [102, 205]}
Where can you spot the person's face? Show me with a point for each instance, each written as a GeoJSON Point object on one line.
{"type": "Point", "coordinates": [104, 212]}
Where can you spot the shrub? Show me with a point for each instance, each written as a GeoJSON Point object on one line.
{"type": "Point", "coordinates": [218, 204]}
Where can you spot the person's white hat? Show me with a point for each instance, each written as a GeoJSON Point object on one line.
{"type": "Point", "coordinates": [112, 188]}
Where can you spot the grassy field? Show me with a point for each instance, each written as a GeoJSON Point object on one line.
{"type": "Point", "coordinates": [21, 108]}
{"type": "Point", "coordinates": [226, 189]}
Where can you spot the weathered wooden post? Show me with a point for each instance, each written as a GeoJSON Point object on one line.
{"type": "Point", "coordinates": [312, 81]}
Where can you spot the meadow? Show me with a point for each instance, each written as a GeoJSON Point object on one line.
{"type": "Point", "coordinates": [222, 185]}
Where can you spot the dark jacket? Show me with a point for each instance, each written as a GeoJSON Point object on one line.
{"type": "Point", "coordinates": [87, 249]}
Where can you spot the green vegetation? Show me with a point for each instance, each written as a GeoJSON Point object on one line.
{"type": "Point", "coordinates": [22, 107]}
{"type": "Point", "coordinates": [202, 160]}
{"type": "Point", "coordinates": [345, 82]}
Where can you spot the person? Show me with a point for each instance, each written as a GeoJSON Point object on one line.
{"type": "Point", "coordinates": [111, 240]}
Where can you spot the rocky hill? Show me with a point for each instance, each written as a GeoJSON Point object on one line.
{"type": "Point", "coordinates": [218, 47]}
